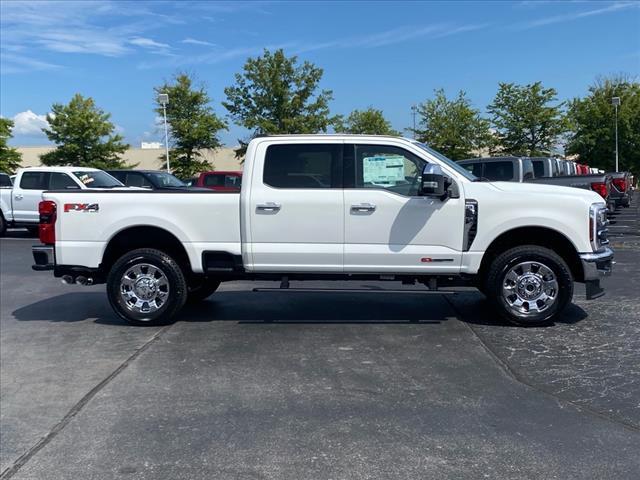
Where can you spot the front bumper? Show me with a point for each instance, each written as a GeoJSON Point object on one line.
{"type": "Point", "coordinates": [595, 266]}
{"type": "Point", "coordinates": [43, 257]}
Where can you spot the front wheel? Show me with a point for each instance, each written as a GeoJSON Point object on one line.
{"type": "Point", "coordinates": [146, 287]}
{"type": "Point", "coordinates": [202, 290]}
{"type": "Point", "coordinates": [529, 285]}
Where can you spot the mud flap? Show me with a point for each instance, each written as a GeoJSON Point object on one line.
{"type": "Point", "coordinates": [593, 289]}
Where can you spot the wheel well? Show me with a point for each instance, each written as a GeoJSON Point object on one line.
{"type": "Point", "coordinates": [541, 236]}
{"type": "Point", "coordinates": [145, 237]}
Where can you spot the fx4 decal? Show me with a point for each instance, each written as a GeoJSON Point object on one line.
{"type": "Point", "coordinates": [81, 207]}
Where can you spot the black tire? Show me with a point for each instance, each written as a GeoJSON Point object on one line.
{"type": "Point", "coordinates": [201, 291]}
{"type": "Point", "coordinates": [3, 225]}
{"type": "Point", "coordinates": [174, 284]}
{"type": "Point", "coordinates": [536, 313]}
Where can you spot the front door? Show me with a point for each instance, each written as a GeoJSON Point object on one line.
{"type": "Point", "coordinates": [388, 227]}
{"type": "Point", "coordinates": [296, 203]}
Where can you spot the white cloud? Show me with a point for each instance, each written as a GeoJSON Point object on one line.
{"type": "Point", "coordinates": [148, 43]}
{"type": "Point", "coordinates": [614, 7]}
{"type": "Point", "coordinates": [29, 123]}
{"type": "Point", "coordinates": [12, 63]}
{"type": "Point", "coordinates": [195, 41]}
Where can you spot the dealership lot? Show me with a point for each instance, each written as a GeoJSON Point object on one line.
{"type": "Point", "coordinates": [312, 385]}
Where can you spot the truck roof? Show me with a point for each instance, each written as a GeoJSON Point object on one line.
{"type": "Point", "coordinates": [59, 169]}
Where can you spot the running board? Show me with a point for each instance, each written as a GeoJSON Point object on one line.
{"type": "Point", "coordinates": [354, 290]}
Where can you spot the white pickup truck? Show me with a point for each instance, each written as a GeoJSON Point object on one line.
{"type": "Point", "coordinates": [19, 202]}
{"type": "Point", "coordinates": [332, 207]}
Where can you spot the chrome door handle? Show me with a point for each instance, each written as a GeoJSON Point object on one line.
{"type": "Point", "coordinates": [18, 196]}
{"type": "Point", "coordinates": [363, 207]}
{"type": "Point", "coordinates": [268, 207]}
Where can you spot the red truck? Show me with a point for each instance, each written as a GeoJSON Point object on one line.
{"type": "Point", "coordinates": [219, 181]}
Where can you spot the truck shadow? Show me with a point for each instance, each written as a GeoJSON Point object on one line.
{"type": "Point", "coordinates": [474, 309]}
{"type": "Point", "coordinates": [259, 307]}
{"type": "Point", "coordinates": [291, 308]}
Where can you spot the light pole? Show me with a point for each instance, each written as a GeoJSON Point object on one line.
{"type": "Point", "coordinates": [414, 111]}
{"type": "Point", "coordinates": [163, 98]}
{"type": "Point", "coordinates": [616, 102]}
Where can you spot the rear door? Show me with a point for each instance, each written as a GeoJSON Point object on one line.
{"type": "Point", "coordinates": [295, 208]}
{"type": "Point", "coordinates": [27, 195]}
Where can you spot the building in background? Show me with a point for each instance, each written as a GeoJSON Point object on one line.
{"type": "Point", "coordinates": [144, 158]}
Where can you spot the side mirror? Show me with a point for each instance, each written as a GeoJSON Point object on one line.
{"type": "Point", "coordinates": [432, 181]}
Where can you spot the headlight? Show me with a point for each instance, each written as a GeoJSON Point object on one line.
{"type": "Point", "coordinates": [598, 226]}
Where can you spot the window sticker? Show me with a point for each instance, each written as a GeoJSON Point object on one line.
{"type": "Point", "coordinates": [86, 179]}
{"type": "Point", "coordinates": [382, 170]}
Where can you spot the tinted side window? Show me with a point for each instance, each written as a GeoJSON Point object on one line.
{"type": "Point", "coordinates": [61, 181]}
{"type": "Point", "coordinates": [214, 180]}
{"type": "Point", "coordinates": [475, 168]}
{"type": "Point", "coordinates": [538, 168]}
{"type": "Point", "coordinates": [34, 181]}
{"type": "Point", "coordinates": [498, 171]}
{"type": "Point", "coordinates": [121, 176]}
{"type": "Point", "coordinates": [232, 181]}
{"type": "Point", "coordinates": [5, 181]}
{"type": "Point", "coordinates": [137, 180]}
{"type": "Point", "coordinates": [303, 166]}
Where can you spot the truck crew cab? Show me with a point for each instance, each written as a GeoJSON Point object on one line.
{"type": "Point", "coordinates": [332, 207]}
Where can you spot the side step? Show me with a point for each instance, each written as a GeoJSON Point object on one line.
{"type": "Point", "coordinates": [355, 290]}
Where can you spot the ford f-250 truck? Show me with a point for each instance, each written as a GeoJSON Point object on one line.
{"type": "Point", "coordinates": [332, 207]}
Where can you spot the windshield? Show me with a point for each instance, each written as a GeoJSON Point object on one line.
{"type": "Point", "coordinates": [450, 163]}
{"type": "Point", "coordinates": [163, 179]}
{"type": "Point", "coordinates": [97, 179]}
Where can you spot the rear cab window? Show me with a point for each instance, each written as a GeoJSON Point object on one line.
{"type": "Point", "coordinates": [499, 171]}
{"type": "Point", "coordinates": [34, 181]}
{"type": "Point", "coordinates": [303, 166]}
{"type": "Point", "coordinates": [538, 168]}
{"type": "Point", "coordinates": [61, 181]}
{"type": "Point", "coordinates": [5, 180]}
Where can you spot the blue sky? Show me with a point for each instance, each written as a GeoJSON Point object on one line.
{"type": "Point", "coordinates": [389, 55]}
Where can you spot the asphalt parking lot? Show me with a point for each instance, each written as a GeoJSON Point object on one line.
{"type": "Point", "coordinates": [291, 385]}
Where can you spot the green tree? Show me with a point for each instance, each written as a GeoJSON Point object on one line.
{"type": "Point", "coordinates": [10, 158]}
{"type": "Point", "coordinates": [592, 121]}
{"type": "Point", "coordinates": [370, 121]}
{"type": "Point", "coordinates": [526, 119]}
{"type": "Point", "coordinates": [193, 125]}
{"type": "Point", "coordinates": [83, 135]}
{"type": "Point", "coordinates": [453, 127]}
{"type": "Point", "coordinates": [275, 95]}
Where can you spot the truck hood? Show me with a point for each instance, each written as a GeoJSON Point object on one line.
{"type": "Point", "coordinates": [542, 189]}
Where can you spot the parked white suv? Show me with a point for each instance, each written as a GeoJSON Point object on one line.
{"type": "Point", "coordinates": [19, 203]}
{"type": "Point", "coordinates": [332, 207]}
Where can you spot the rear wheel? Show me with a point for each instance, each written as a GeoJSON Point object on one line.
{"type": "Point", "coordinates": [3, 225]}
{"type": "Point", "coordinates": [146, 287]}
{"type": "Point", "coordinates": [529, 285]}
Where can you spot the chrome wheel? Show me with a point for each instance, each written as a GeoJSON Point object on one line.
{"type": "Point", "coordinates": [530, 288]}
{"type": "Point", "coordinates": [144, 288]}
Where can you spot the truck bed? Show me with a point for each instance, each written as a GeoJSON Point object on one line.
{"type": "Point", "coordinates": [87, 220]}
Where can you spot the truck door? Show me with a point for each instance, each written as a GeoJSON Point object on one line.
{"type": "Point", "coordinates": [295, 208]}
{"type": "Point", "coordinates": [388, 227]}
{"type": "Point", "coordinates": [27, 194]}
